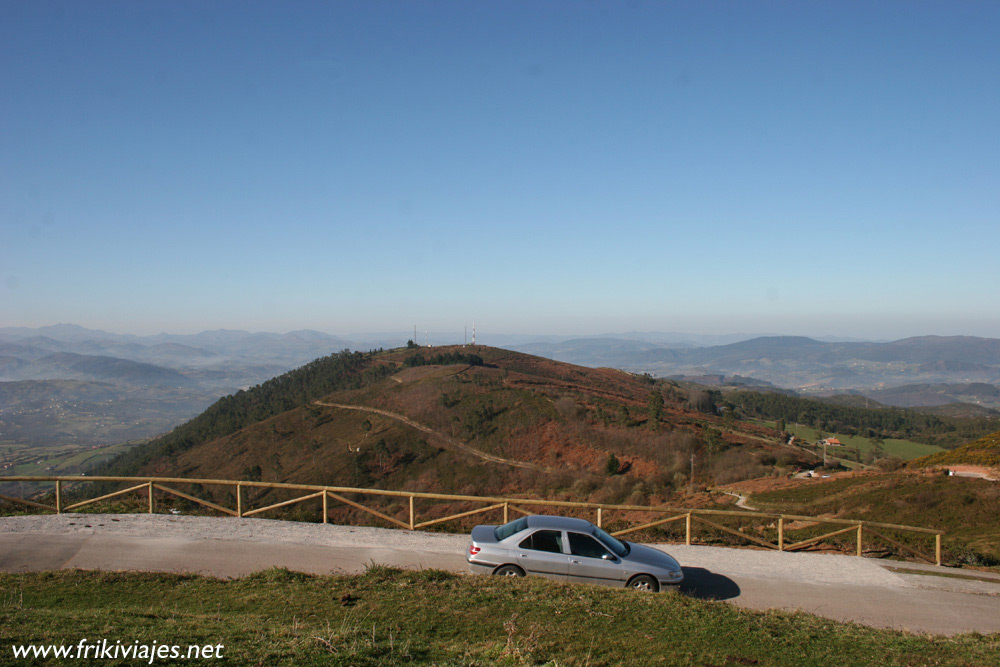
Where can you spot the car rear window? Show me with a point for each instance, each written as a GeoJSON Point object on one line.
{"type": "Point", "coordinates": [508, 529]}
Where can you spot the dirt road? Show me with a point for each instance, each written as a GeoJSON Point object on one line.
{"type": "Point", "coordinates": [838, 587]}
{"type": "Point", "coordinates": [449, 442]}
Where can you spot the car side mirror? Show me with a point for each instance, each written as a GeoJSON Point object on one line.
{"type": "Point", "coordinates": [608, 556]}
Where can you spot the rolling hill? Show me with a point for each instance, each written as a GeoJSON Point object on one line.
{"type": "Point", "coordinates": [936, 395]}
{"type": "Point", "coordinates": [982, 452]}
{"type": "Point", "coordinates": [487, 421]}
{"type": "Point", "coordinates": [467, 420]}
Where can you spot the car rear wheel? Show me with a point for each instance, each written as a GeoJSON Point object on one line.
{"type": "Point", "coordinates": [509, 571]}
{"type": "Point", "coordinates": [643, 582]}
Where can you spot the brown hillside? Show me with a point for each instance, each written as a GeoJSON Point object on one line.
{"type": "Point", "coordinates": [516, 423]}
{"type": "Point", "coordinates": [966, 509]}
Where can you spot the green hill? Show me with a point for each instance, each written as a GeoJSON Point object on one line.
{"type": "Point", "coordinates": [982, 452]}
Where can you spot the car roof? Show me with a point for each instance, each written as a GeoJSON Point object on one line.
{"type": "Point", "coordinates": [560, 523]}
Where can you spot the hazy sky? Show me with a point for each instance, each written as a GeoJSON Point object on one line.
{"type": "Point", "coordinates": [552, 167]}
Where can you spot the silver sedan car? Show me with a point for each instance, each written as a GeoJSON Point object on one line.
{"type": "Point", "coordinates": [571, 550]}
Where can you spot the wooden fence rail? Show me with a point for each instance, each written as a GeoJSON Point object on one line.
{"type": "Point", "coordinates": [150, 485]}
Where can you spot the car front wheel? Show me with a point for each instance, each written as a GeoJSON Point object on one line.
{"type": "Point", "coordinates": [643, 582]}
{"type": "Point", "coordinates": [508, 571]}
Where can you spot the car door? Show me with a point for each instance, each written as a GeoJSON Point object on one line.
{"type": "Point", "coordinates": [590, 561]}
{"type": "Point", "coordinates": [542, 553]}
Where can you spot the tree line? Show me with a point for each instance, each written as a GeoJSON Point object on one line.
{"type": "Point", "coordinates": [336, 372]}
{"type": "Point", "coordinates": [443, 359]}
{"type": "Point", "coordinates": [851, 420]}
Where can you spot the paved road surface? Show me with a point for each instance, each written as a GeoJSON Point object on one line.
{"type": "Point", "coordinates": [838, 587]}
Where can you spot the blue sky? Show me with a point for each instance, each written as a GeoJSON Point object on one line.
{"type": "Point", "coordinates": [547, 167]}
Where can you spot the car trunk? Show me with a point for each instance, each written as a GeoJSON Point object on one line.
{"type": "Point", "coordinates": [484, 535]}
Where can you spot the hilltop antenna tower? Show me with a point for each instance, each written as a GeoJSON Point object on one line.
{"type": "Point", "coordinates": [473, 334]}
{"type": "Point", "coordinates": [414, 334]}
{"type": "Point", "coordinates": [427, 338]}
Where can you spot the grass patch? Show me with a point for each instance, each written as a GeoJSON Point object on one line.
{"type": "Point", "coordinates": [392, 617]}
{"type": "Point", "coordinates": [903, 449]}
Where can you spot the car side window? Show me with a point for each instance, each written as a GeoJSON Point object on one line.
{"type": "Point", "coordinates": [586, 546]}
{"type": "Point", "coordinates": [544, 540]}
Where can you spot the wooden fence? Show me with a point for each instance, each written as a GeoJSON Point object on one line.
{"type": "Point", "coordinates": [150, 485]}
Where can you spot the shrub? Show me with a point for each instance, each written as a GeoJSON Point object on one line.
{"type": "Point", "coordinates": [612, 466]}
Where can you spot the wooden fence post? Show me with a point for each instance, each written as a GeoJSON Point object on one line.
{"type": "Point", "coordinates": [599, 517]}
{"type": "Point", "coordinates": [239, 499]}
{"type": "Point", "coordinates": [687, 521]}
{"type": "Point", "coordinates": [506, 507]}
{"type": "Point", "coordinates": [326, 506]}
{"type": "Point", "coordinates": [151, 505]}
{"type": "Point", "coordinates": [859, 540]}
{"type": "Point", "coordinates": [58, 496]}
{"type": "Point", "coordinates": [937, 548]}
{"type": "Point", "coordinates": [781, 533]}
{"type": "Point", "coordinates": [412, 515]}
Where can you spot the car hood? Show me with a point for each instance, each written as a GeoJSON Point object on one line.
{"type": "Point", "coordinates": [650, 556]}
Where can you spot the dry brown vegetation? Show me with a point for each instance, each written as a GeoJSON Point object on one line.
{"type": "Point", "coordinates": [562, 418]}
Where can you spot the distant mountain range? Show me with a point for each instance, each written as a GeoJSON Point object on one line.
{"type": "Point", "coordinates": [103, 388]}
{"type": "Point", "coordinates": [192, 370]}
{"type": "Point", "coordinates": [70, 366]}
{"type": "Point", "coordinates": [806, 364]}
{"type": "Point", "coordinates": [208, 348]}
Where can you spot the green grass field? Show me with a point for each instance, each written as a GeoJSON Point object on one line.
{"type": "Point", "coordinates": [57, 459]}
{"type": "Point", "coordinates": [391, 617]}
{"type": "Point", "coordinates": [904, 449]}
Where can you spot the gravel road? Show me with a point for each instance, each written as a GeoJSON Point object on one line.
{"type": "Point", "coordinates": [835, 586]}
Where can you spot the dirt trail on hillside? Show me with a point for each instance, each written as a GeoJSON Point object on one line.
{"type": "Point", "coordinates": [982, 472]}
{"type": "Point", "coordinates": [741, 501]}
{"type": "Point", "coordinates": [453, 443]}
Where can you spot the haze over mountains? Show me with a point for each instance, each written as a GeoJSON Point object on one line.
{"type": "Point", "coordinates": [66, 382]}
{"type": "Point", "coordinates": [227, 359]}
{"type": "Point", "coordinates": [804, 364]}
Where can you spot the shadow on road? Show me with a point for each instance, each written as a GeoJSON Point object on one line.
{"type": "Point", "coordinates": [707, 585]}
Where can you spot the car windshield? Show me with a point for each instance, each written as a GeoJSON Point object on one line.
{"type": "Point", "coordinates": [508, 529]}
{"type": "Point", "coordinates": [619, 547]}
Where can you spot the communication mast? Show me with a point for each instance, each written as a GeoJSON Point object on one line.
{"type": "Point", "coordinates": [473, 334]}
